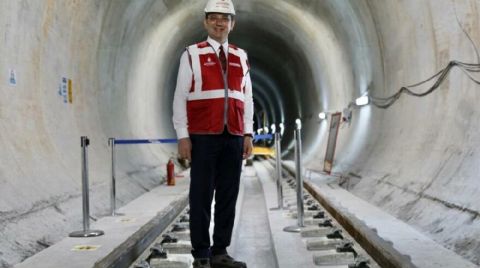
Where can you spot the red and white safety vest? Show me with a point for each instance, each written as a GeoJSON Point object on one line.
{"type": "Point", "coordinates": [207, 99]}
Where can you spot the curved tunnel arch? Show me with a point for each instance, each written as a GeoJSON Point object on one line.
{"type": "Point", "coordinates": [317, 56]}
{"type": "Point", "coordinates": [298, 60]}
{"type": "Point", "coordinates": [418, 156]}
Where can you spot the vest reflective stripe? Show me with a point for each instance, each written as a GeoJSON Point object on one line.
{"type": "Point", "coordinates": [215, 94]}
{"type": "Point", "coordinates": [206, 100]}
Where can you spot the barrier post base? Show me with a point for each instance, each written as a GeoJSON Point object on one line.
{"type": "Point", "coordinates": [292, 229]}
{"type": "Point", "coordinates": [117, 214]}
{"type": "Point", "coordinates": [88, 233]}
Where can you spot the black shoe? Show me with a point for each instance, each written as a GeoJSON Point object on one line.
{"type": "Point", "coordinates": [225, 261]}
{"type": "Point", "coordinates": [201, 263]}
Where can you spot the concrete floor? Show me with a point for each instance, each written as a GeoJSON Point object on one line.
{"type": "Point", "coordinates": [259, 238]}
{"type": "Point", "coordinates": [417, 160]}
{"type": "Point", "coordinates": [252, 240]}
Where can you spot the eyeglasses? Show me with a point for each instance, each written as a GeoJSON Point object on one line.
{"type": "Point", "coordinates": [215, 19]}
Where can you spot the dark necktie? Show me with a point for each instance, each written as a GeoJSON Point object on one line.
{"type": "Point", "coordinates": [223, 59]}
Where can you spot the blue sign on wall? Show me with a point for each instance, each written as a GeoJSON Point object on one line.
{"type": "Point", "coordinates": [12, 80]}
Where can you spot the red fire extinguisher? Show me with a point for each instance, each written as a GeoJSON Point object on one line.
{"type": "Point", "coordinates": [170, 172]}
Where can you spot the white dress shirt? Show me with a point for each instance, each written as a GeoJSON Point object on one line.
{"type": "Point", "coordinates": [184, 82]}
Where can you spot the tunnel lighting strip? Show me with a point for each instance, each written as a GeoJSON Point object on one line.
{"type": "Point", "coordinates": [364, 100]}
{"type": "Point", "coordinates": [144, 141]}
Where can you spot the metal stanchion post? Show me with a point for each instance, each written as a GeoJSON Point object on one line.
{"type": "Point", "coordinates": [113, 187]}
{"type": "Point", "coordinates": [298, 175]}
{"type": "Point", "coordinates": [111, 143]}
{"type": "Point", "coordinates": [86, 206]}
{"type": "Point", "coordinates": [278, 169]}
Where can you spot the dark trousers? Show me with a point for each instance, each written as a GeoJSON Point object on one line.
{"type": "Point", "coordinates": [216, 167]}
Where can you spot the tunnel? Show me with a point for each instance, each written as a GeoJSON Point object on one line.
{"type": "Point", "coordinates": [108, 68]}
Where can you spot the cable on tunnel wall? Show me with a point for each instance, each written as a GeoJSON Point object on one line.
{"type": "Point", "coordinates": [467, 68]}
{"type": "Point", "coordinates": [384, 103]}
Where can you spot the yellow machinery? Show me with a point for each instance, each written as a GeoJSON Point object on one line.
{"type": "Point", "coordinates": [259, 150]}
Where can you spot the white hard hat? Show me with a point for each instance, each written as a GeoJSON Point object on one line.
{"type": "Point", "coordinates": [220, 6]}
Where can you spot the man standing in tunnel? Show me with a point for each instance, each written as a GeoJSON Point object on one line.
{"type": "Point", "coordinates": [213, 118]}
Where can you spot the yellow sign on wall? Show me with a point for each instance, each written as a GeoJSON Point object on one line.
{"type": "Point", "coordinates": [65, 90]}
{"type": "Point", "coordinates": [70, 94]}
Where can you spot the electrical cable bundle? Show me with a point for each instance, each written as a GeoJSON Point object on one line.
{"type": "Point", "coordinates": [467, 68]}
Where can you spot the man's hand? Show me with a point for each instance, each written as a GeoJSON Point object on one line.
{"type": "Point", "coordinates": [247, 147]}
{"type": "Point", "coordinates": [185, 149]}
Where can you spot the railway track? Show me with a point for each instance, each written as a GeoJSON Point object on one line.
{"type": "Point", "coordinates": [326, 241]}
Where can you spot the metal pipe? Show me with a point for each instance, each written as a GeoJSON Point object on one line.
{"type": "Point", "coordinates": [278, 156]}
{"type": "Point", "coordinates": [86, 232]}
{"type": "Point", "coordinates": [111, 143]}
{"type": "Point", "coordinates": [86, 205]}
{"type": "Point", "coordinates": [299, 177]}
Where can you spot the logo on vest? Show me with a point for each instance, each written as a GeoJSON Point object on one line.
{"type": "Point", "coordinates": [209, 62]}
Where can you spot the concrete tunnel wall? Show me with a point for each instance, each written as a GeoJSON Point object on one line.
{"type": "Point", "coordinates": [417, 160]}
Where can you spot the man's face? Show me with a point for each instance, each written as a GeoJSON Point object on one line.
{"type": "Point", "coordinates": [219, 26]}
